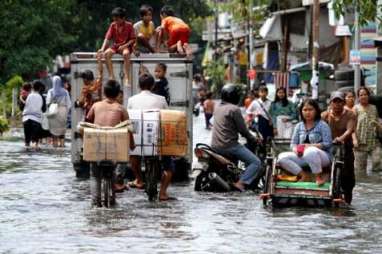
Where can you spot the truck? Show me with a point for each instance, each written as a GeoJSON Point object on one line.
{"type": "Point", "coordinates": [179, 76]}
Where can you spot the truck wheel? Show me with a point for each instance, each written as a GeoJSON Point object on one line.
{"type": "Point", "coordinates": [82, 169]}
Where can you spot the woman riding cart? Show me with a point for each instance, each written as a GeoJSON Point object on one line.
{"type": "Point", "coordinates": [310, 172]}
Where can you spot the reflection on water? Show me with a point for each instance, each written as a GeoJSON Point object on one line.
{"type": "Point", "coordinates": [45, 209]}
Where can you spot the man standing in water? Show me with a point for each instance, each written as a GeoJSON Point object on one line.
{"type": "Point", "coordinates": [342, 124]}
{"type": "Point", "coordinates": [148, 100]}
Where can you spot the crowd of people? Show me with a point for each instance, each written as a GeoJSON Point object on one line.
{"type": "Point", "coordinates": [312, 133]}
{"type": "Point", "coordinates": [44, 118]}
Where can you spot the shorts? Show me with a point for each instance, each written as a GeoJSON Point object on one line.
{"type": "Point", "coordinates": [182, 35]}
{"type": "Point", "coordinates": [32, 131]}
{"type": "Point", "coordinates": [168, 163]}
{"type": "Point", "coordinates": [114, 48]}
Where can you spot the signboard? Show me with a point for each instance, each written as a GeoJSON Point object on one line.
{"type": "Point", "coordinates": [355, 57]}
{"type": "Point", "coordinates": [343, 31]}
{"type": "Point", "coordinates": [310, 2]}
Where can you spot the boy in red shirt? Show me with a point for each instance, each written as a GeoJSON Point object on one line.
{"type": "Point", "coordinates": [122, 34]}
{"type": "Point", "coordinates": [177, 31]}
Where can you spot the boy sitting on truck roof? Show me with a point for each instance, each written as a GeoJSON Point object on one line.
{"type": "Point", "coordinates": [177, 30]}
{"type": "Point", "coordinates": [145, 30]}
{"type": "Point", "coordinates": [122, 34]}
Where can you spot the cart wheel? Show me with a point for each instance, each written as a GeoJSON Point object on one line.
{"type": "Point", "coordinates": [337, 182]}
{"type": "Point", "coordinates": [267, 181]}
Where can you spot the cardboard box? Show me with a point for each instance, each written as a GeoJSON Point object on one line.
{"type": "Point", "coordinates": [106, 144]}
{"type": "Point", "coordinates": [174, 138]}
{"type": "Point", "coordinates": [146, 131]}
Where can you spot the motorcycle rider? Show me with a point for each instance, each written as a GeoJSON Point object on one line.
{"type": "Point", "coordinates": [228, 122]}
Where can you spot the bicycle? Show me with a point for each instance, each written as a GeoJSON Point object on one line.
{"type": "Point", "coordinates": [152, 175]}
{"type": "Point", "coordinates": [102, 183]}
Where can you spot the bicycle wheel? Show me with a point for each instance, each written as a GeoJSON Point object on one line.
{"type": "Point", "coordinates": [108, 186]}
{"type": "Point", "coordinates": [95, 185]}
{"type": "Point", "coordinates": [151, 175]}
{"type": "Point", "coordinates": [105, 191]}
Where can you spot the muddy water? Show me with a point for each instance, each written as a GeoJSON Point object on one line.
{"type": "Point", "coordinates": [45, 209]}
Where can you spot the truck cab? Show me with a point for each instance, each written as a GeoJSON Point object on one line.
{"type": "Point", "coordinates": [179, 76]}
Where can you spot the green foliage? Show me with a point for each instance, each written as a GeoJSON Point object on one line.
{"type": "Point", "coordinates": [240, 9]}
{"type": "Point", "coordinates": [4, 125]}
{"type": "Point", "coordinates": [6, 93]}
{"type": "Point", "coordinates": [14, 82]}
{"type": "Point", "coordinates": [33, 32]}
{"type": "Point", "coordinates": [368, 9]}
{"type": "Point", "coordinates": [215, 72]}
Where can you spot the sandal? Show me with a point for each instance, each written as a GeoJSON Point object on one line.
{"type": "Point", "coordinates": [135, 186]}
{"type": "Point", "coordinates": [118, 188]}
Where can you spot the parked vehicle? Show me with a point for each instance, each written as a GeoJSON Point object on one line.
{"type": "Point", "coordinates": [282, 189]}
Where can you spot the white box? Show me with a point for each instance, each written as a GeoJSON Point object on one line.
{"type": "Point", "coordinates": [146, 131]}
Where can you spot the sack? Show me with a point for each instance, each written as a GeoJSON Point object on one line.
{"type": "Point", "coordinates": [284, 129]}
{"type": "Point", "coordinates": [52, 110]}
{"type": "Point", "coordinates": [44, 122]}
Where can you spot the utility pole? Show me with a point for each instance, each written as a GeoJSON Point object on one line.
{"type": "Point", "coordinates": [316, 47]}
{"type": "Point", "coordinates": [379, 54]}
{"type": "Point", "coordinates": [216, 22]}
{"type": "Point", "coordinates": [250, 41]}
{"type": "Point", "coordinates": [357, 42]}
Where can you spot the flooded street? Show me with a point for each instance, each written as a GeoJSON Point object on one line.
{"type": "Point", "coordinates": [45, 209]}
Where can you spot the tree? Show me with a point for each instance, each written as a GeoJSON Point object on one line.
{"type": "Point", "coordinates": [368, 9]}
{"type": "Point", "coordinates": [33, 32]}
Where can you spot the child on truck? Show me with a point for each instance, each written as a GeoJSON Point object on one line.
{"type": "Point", "coordinates": [161, 83]}
{"type": "Point", "coordinates": [177, 31]}
{"type": "Point", "coordinates": [91, 91]}
{"type": "Point", "coordinates": [145, 30]}
{"type": "Point", "coordinates": [122, 34]}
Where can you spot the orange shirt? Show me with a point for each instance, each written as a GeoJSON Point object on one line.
{"type": "Point", "coordinates": [171, 24]}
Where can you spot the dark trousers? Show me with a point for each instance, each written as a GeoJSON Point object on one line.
{"type": "Point", "coordinates": [32, 130]}
{"type": "Point", "coordinates": [347, 174]}
{"type": "Point", "coordinates": [208, 117]}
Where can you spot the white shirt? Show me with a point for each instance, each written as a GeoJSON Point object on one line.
{"type": "Point", "coordinates": [32, 109]}
{"type": "Point", "coordinates": [256, 108]}
{"type": "Point", "coordinates": [146, 100]}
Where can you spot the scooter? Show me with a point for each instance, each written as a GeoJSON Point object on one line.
{"type": "Point", "coordinates": [217, 173]}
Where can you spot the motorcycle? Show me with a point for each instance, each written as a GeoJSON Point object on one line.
{"type": "Point", "coordinates": [217, 173]}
